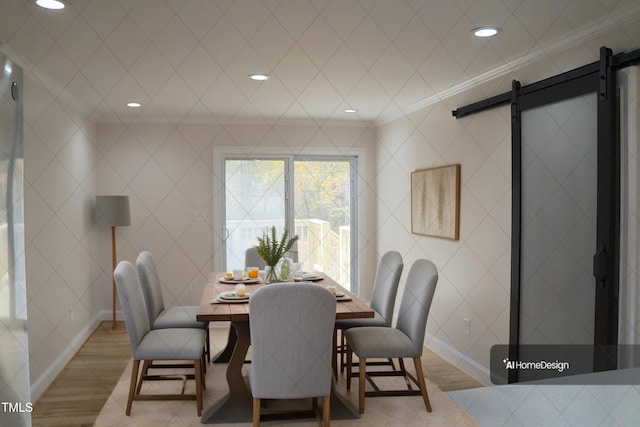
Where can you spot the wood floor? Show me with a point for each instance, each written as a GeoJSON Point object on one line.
{"type": "Point", "coordinates": [78, 394]}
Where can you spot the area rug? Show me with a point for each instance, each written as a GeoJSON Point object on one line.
{"type": "Point", "coordinates": [387, 411]}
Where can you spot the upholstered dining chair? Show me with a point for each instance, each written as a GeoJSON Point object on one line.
{"type": "Point", "coordinates": [383, 298]}
{"type": "Point", "coordinates": [171, 344]}
{"type": "Point", "coordinates": [161, 317]}
{"type": "Point", "coordinates": [291, 330]}
{"type": "Point", "coordinates": [406, 339]}
{"type": "Point", "coordinates": [252, 259]}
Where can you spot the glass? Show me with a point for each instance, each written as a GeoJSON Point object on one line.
{"type": "Point", "coordinates": [317, 192]}
{"type": "Point", "coordinates": [323, 217]}
{"type": "Point", "coordinates": [252, 272]}
{"type": "Point", "coordinates": [559, 183]}
{"type": "Point", "coordinates": [254, 201]}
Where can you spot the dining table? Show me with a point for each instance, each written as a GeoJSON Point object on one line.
{"type": "Point", "coordinates": [237, 404]}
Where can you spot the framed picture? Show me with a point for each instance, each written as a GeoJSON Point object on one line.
{"type": "Point", "coordinates": [435, 202]}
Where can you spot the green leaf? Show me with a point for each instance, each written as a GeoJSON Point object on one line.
{"type": "Point", "coordinates": [271, 249]}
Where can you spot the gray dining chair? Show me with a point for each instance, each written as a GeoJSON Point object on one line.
{"type": "Point", "coordinates": [406, 339]}
{"type": "Point", "coordinates": [161, 317]}
{"type": "Point", "coordinates": [383, 299]}
{"type": "Point", "coordinates": [291, 330]}
{"type": "Point", "coordinates": [252, 259]}
{"type": "Point", "coordinates": [171, 344]}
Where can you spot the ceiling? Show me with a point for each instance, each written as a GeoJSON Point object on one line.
{"type": "Point", "coordinates": [190, 59]}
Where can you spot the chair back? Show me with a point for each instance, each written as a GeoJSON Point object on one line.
{"type": "Point", "coordinates": [132, 303]}
{"type": "Point", "coordinates": [151, 287]}
{"type": "Point", "coordinates": [416, 301]}
{"type": "Point", "coordinates": [385, 286]}
{"type": "Point", "coordinates": [291, 340]}
{"type": "Point", "coordinates": [252, 259]}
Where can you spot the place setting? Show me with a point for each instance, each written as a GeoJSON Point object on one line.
{"type": "Point", "coordinates": [239, 276]}
{"type": "Point", "coordinates": [340, 296]}
{"type": "Point", "coordinates": [307, 277]}
{"type": "Point", "coordinates": [238, 295]}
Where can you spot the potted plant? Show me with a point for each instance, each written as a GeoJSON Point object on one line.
{"type": "Point", "coordinates": [271, 250]}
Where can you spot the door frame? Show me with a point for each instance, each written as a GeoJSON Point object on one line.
{"type": "Point", "coordinates": [358, 200]}
{"type": "Point", "coordinates": [593, 78]}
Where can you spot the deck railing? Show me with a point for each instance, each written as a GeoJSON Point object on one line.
{"type": "Point", "coordinates": [318, 248]}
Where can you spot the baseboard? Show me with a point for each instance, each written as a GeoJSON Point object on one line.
{"type": "Point", "coordinates": [40, 385]}
{"type": "Point", "coordinates": [459, 360]}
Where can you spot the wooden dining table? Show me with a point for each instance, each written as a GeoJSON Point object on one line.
{"type": "Point", "coordinates": [236, 406]}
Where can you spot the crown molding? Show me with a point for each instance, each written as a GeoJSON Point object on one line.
{"type": "Point", "coordinates": [588, 32]}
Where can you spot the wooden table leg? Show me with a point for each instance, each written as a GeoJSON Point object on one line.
{"type": "Point", "coordinates": [224, 355]}
{"type": "Point", "coordinates": [236, 406]}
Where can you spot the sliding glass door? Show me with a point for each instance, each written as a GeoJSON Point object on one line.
{"type": "Point", "coordinates": [255, 199]}
{"type": "Point", "coordinates": [322, 201]}
{"type": "Point", "coordinates": [311, 196]}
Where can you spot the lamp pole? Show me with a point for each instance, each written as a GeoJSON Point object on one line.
{"type": "Point", "coordinates": [113, 211]}
{"type": "Point", "coordinates": [114, 262]}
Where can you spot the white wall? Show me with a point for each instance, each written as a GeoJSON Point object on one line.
{"type": "Point", "coordinates": [62, 265]}
{"type": "Point", "coordinates": [167, 170]}
{"type": "Point", "coordinates": [474, 272]}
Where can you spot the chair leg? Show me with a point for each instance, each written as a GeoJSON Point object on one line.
{"type": "Point", "coordinates": [132, 385]}
{"type": "Point", "coordinates": [423, 386]}
{"type": "Point", "coordinates": [334, 356]}
{"type": "Point", "coordinates": [197, 365]}
{"type": "Point", "coordinates": [326, 411]}
{"type": "Point", "coordinates": [208, 344]}
{"type": "Point", "coordinates": [349, 368]}
{"type": "Point", "coordinates": [204, 372]}
{"type": "Point", "coordinates": [203, 358]}
{"type": "Point", "coordinates": [404, 373]}
{"type": "Point", "coordinates": [145, 371]}
{"type": "Point", "coordinates": [343, 346]}
{"type": "Point", "coordinates": [361, 384]}
{"type": "Point", "coordinates": [256, 412]}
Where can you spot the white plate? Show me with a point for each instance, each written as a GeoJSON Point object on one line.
{"type": "Point", "coordinates": [310, 277]}
{"type": "Point", "coordinates": [246, 281]}
{"type": "Point", "coordinates": [232, 295]}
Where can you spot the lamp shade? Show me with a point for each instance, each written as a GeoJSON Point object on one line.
{"type": "Point", "coordinates": [112, 211]}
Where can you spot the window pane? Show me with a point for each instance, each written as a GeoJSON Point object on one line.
{"type": "Point", "coordinates": [254, 201]}
{"type": "Point", "coordinates": [323, 217]}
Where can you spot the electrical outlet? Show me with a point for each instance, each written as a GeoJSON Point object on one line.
{"type": "Point", "coordinates": [70, 313]}
{"type": "Point", "coordinates": [193, 286]}
{"type": "Point", "coordinates": [467, 326]}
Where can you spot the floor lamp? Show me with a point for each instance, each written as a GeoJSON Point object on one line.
{"type": "Point", "coordinates": [113, 211]}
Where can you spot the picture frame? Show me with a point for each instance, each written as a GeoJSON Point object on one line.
{"type": "Point", "coordinates": [435, 202]}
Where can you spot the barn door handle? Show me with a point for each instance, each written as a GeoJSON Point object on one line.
{"type": "Point", "coordinates": [600, 264]}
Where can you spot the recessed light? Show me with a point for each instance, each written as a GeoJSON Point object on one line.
{"type": "Point", "coordinates": [259, 77]}
{"type": "Point", "coordinates": [50, 4]}
{"type": "Point", "coordinates": [134, 104]}
{"type": "Point", "coordinates": [485, 31]}
{"type": "Point", "coordinates": [350, 110]}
